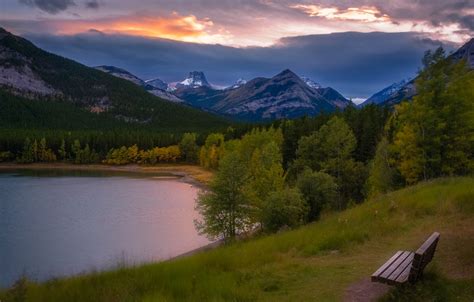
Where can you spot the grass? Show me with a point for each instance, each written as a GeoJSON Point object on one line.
{"type": "Point", "coordinates": [313, 263]}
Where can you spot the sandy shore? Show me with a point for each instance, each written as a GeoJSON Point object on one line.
{"type": "Point", "coordinates": [195, 175]}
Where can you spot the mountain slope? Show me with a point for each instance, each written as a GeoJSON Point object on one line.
{"type": "Point", "coordinates": [283, 96]}
{"type": "Point", "coordinates": [121, 73]}
{"type": "Point", "coordinates": [157, 83]}
{"type": "Point", "coordinates": [384, 94]}
{"type": "Point", "coordinates": [151, 88]}
{"type": "Point", "coordinates": [390, 96]}
{"type": "Point", "coordinates": [466, 52]}
{"type": "Point", "coordinates": [55, 77]}
{"type": "Point", "coordinates": [334, 97]}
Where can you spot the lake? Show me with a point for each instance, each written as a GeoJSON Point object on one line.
{"type": "Point", "coordinates": [59, 223]}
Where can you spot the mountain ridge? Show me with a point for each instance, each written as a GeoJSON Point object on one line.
{"type": "Point", "coordinates": [408, 90]}
{"type": "Point", "coordinates": [56, 77]}
{"type": "Point", "coordinates": [284, 95]}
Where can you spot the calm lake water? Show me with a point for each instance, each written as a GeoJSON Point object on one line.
{"type": "Point", "coordinates": [57, 223]}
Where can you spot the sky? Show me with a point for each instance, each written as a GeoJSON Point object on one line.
{"type": "Point", "coordinates": [354, 46]}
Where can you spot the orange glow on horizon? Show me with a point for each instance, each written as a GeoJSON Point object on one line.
{"type": "Point", "coordinates": [175, 27]}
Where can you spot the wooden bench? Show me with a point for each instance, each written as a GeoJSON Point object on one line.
{"type": "Point", "coordinates": [407, 266]}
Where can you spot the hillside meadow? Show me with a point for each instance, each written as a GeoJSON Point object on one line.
{"type": "Point", "coordinates": [316, 262]}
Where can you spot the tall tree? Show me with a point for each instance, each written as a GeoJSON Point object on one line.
{"type": "Point", "coordinates": [212, 151]}
{"type": "Point", "coordinates": [189, 148]}
{"type": "Point", "coordinates": [330, 150]}
{"type": "Point", "coordinates": [434, 134]}
{"type": "Point", "coordinates": [224, 208]}
{"type": "Point", "coordinates": [381, 173]}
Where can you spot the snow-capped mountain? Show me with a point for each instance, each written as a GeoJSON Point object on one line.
{"type": "Point", "coordinates": [406, 89]}
{"type": "Point", "coordinates": [237, 84]}
{"type": "Point", "coordinates": [285, 95]}
{"type": "Point", "coordinates": [157, 83]}
{"type": "Point", "coordinates": [195, 79]}
{"type": "Point", "coordinates": [385, 94]}
{"type": "Point", "coordinates": [311, 83]}
{"type": "Point", "coordinates": [153, 89]}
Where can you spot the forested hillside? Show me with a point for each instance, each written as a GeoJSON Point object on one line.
{"type": "Point", "coordinates": [44, 77]}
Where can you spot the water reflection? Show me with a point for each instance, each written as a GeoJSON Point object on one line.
{"type": "Point", "coordinates": [56, 222]}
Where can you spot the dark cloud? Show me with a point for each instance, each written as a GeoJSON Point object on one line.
{"type": "Point", "coordinates": [50, 6]}
{"type": "Point", "coordinates": [435, 12]}
{"type": "Point", "coordinates": [357, 64]}
{"type": "Point", "coordinates": [93, 4]}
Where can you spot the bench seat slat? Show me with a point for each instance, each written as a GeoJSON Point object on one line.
{"type": "Point", "coordinates": [395, 265]}
{"type": "Point", "coordinates": [406, 266]}
{"type": "Point", "coordinates": [381, 269]}
{"type": "Point", "coordinates": [402, 267]}
{"type": "Point", "coordinates": [403, 277]}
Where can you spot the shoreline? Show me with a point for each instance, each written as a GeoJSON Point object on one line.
{"type": "Point", "coordinates": [192, 174]}
{"type": "Point", "coordinates": [186, 173]}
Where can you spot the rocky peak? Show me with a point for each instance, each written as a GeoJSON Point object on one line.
{"type": "Point", "coordinates": [195, 79]}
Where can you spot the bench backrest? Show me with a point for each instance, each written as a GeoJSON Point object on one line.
{"type": "Point", "coordinates": [423, 256]}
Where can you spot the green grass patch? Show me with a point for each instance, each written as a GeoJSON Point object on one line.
{"type": "Point", "coordinates": [313, 263]}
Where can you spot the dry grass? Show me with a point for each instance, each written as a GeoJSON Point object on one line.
{"type": "Point", "coordinates": [193, 172]}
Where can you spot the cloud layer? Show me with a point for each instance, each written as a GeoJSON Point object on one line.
{"type": "Point", "coordinates": [251, 22]}
{"type": "Point", "coordinates": [357, 64]}
{"type": "Point", "coordinates": [50, 6]}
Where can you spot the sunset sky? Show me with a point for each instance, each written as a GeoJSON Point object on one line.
{"type": "Point", "coordinates": [256, 38]}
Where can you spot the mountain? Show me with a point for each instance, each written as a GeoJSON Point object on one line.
{"type": "Point", "coordinates": [121, 73]}
{"type": "Point", "coordinates": [328, 93]}
{"type": "Point", "coordinates": [157, 83]}
{"type": "Point", "coordinates": [237, 84]}
{"type": "Point", "coordinates": [153, 89]}
{"type": "Point", "coordinates": [466, 52]}
{"type": "Point", "coordinates": [311, 83]}
{"type": "Point", "coordinates": [398, 92]}
{"type": "Point", "coordinates": [32, 73]}
{"type": "Point", "coordinates": [334, 97]}
{"type": "Point", "coordinates": [195, 79]}
{"type": "Point", "coordinates": [283, 96]}
{"type": "Point", "coordinates": [385, 94]}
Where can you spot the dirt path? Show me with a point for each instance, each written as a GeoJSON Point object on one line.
{"type": "Point", "coordinates": [365, 291]}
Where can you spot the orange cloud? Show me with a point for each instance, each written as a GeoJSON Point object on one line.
{"type": "Point", "coordinates": [363, 14]}
{"type": "Point", "coordinates": [175, 27]}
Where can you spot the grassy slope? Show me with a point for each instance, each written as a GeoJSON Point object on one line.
{"type": "Point", "coordinates": [314, 263]}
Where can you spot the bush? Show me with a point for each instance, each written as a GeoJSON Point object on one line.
{"type": "Point", "coordinates": [285, 208]}
{"type": "Point", "coordinates": [6, 156]}
{"type": "Point", "coordinates": [319, 189]}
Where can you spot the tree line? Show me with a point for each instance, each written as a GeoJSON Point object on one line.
{"type": "Point", "coordinates": [285, 175]}
{"type": "Point", "coordinates": [288, 172]}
